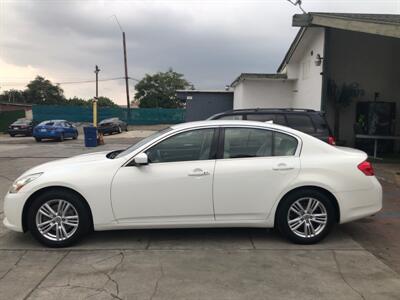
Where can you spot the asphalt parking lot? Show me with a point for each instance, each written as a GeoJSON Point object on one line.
{"type": "Point", "coordinates": [360, 260]}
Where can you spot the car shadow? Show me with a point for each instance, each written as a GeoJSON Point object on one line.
{"type": "Point", "coordinates": [184, 239]}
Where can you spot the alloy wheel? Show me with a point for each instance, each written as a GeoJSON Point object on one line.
{"type": "Point", "coordinates": [57, 220]}
{"type": "Point", "coordinates": [307, 217]}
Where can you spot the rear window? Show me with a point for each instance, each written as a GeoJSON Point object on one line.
{"type": "Point", "coordinates": [300, 122]}
{"type": "Point", "coordinates": [47, 123]}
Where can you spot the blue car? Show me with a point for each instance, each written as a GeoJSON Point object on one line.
{"type": "Point", "coordinates": [55, 130]}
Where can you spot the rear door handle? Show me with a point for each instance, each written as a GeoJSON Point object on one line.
{"type": "Point", "coordinates": [199, 172]}
{"type": "Point", "coordinates": [282, 167]}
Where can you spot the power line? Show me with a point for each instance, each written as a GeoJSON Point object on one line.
{"type": "Point", "coordinates": [70, 82]}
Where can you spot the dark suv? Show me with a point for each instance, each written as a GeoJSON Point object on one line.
{"type": "Point", "coordinates": [306, 120]}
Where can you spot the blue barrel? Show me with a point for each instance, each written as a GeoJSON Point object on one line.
{"type": "Point", "coordinates": [90, 136]}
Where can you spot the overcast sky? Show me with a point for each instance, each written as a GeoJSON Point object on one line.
{"type": "Point", "coordinates": [210, 41]}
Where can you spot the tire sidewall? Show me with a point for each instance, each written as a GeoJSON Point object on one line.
{"type": "Point", "coordinates": [76, 201]}
{"type": "Point", "coordinates": [282, 212]}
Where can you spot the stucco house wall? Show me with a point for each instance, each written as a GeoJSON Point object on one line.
{"type": "Point", "coordinates": [262, 93]}
{"type": "Point", "coordinates": [308, 84]}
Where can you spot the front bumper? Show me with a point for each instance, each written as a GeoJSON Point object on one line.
{"type": "Point", "coordinates": [107, 129]}
{"type": "Point", "coordinates": [13, 207]}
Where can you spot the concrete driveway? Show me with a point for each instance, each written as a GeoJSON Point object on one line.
{"type": "Point", "coordinates": [359, 260]}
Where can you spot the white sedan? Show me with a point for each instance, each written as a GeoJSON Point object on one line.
{"type": "Point", "coordinates": [200, 174]}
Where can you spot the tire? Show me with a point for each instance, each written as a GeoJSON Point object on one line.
{"type": "Point", "coordinates": [305, 220]}
{"type": "Point", "coordinates": [71, 234]}
{"type": "Point", "coordinates": [38, 139]}
{"type": "Point", "coordinates": [12, 135]}
{"type": "Point", "coordinates": [75, 136]}
{"type": "Point", "coordinates": [61, 138]}
{"type": "Point", "coordinates": [119, 129]}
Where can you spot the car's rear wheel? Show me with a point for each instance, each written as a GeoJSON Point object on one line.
{"type": "Point", "coordinates": [58, 218]}
{"type": "Point", "coordinates": [38, 139]}
{"type": "Point", "coordinates": [75, 136]}
{"type": "Point", "coordinates": [306, 216]}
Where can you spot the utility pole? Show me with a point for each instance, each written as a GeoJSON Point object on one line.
{"type": "Point", "coordinates": [126, 78]}
{"type": "Point", "coordinates": [96, 71]}
{"type": "Point", "coordinates": [128, 103]}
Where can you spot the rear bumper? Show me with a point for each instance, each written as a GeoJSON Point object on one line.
{"type": "Point", "coordinates": [20, 131]}
{"type": "Point", "coordinates": [359, 204]}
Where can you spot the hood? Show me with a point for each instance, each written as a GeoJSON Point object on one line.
{"type": "Point", "coordinates": [74, 160]}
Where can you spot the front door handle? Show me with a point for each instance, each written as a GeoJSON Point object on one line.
{"type": "Point", "coordinates": [199, 172]}
{"type": "Point", "coordinates": [282, 167]}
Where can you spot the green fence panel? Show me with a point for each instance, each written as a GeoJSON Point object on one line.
{"type": "Point", "coordinates": [8, 117]}
{"type": "Point", "coordinates": [138, 116]}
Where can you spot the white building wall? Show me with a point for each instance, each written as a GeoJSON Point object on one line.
{"type": "Point", "coordinates": [263, 93]}
{"type": "Point", "coordinates": [308, 86]}
{"type": "Point", "coordinates": [302, 89]}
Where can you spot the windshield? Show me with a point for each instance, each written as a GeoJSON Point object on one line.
{"type": "Point", "coordinates": [139, 144]}
{"type": "Point", "coordinates": [108, 120]}
{"type": "Point", "coordinates": [22, 121]}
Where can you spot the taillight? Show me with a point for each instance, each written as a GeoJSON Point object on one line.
{"type": "Point", "coordinates": [366, 168]}
{"type": "Point", "coordinates": [331, 140]}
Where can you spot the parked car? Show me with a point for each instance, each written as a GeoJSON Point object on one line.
{"type": "Point", "coordinates": [109, 126]}
{"type": "Point", "coordinates": [55, 129]}
{"type": "Point", "coordinates": [200, 174]}
{"type": "Point", "coordinates": [21, 127]}
{"type": "Point", "coordinates": [306, 120]}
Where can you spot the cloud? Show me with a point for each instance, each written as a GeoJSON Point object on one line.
{"type": "Point", "coordinates": [211, 42]}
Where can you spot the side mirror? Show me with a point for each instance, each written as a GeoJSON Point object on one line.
{"type": "Point", "coordinates": [141, 159]}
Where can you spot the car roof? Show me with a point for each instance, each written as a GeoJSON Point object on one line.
{"type": "Point", "coordinates": [54, 121]}
{"type": "Point", "coordinates": [232, 123]}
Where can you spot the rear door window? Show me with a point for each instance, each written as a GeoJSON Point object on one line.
{"type": "Point", "coordinates": [247, 142]}
{"type": "Point", "coordinates": [300, 122]}
{"type": "Point", "coordinates": [284, 145]}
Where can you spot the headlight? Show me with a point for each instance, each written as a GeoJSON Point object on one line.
{"type": "Point", "coordinates": [21, 182]}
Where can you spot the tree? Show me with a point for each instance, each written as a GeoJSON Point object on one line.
{"type": "Point", "coordinates": [342, 98]}
{"type": "Point", "coordinates": [104, 102]}
{"type": "Point", "coordinates": [42, 91]}
{"type": "Point", "coordinates": [159, 90]}
{"type": "Point", "coordinates": [13, 96]}
{"type": "Point", "coordinates": [77, 101]}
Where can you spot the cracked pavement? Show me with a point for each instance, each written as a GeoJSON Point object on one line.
{"type": "Point", "coordinates": [359, 260]}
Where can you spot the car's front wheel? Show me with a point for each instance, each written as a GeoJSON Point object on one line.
{"type": "Point", "coordinates": [58, 218]}
{"type": "Point", "coordinates": [306, 216]}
